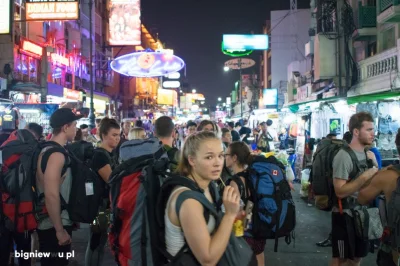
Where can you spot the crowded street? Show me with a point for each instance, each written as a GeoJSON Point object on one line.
{"type": "Point", "coordinates": [188, 133]}
{"type": "Point", "coordinates": [313, 225]}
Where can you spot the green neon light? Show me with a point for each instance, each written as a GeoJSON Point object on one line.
{"type": "Point", "coordinates": [235, 53]}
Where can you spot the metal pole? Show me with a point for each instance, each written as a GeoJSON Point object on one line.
{"type": "Point", "coordinates": [91, 114]}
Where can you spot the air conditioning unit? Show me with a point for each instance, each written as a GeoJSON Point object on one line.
{"type": "Point", "coordinates": [309, 48]}
{"type": "Point", "coordinates": [325, 51]}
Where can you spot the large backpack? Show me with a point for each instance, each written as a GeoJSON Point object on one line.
{"type": "Point", "coordinates": [87, 188]}
{"type": "Point", "coordinates": [134, 189]}
{"type": "Point", "coordinates": [322, 171]}
{"type": "Point", "coordinates": [270, 192]}
{"type": "Point", "coordinates": [19, 157]}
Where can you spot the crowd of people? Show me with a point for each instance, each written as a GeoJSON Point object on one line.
{"type": "Point", "coordinates": [205, 152]}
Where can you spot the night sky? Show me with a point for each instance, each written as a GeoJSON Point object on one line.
{"type": "Point", "coordinates": [194, 29]}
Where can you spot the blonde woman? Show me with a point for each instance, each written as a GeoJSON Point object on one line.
{"type": "Point", "coordinates": [202, 161]}
{"type": "Point", "coordinates": [137, 133]}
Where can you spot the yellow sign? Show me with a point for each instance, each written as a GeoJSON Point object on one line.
{"type": "Point", "coordinates": [5, 16]}
{"type": "Point", "coordinates": [7, 118]}
{"type": "Point", "coordinates": [52, 11]}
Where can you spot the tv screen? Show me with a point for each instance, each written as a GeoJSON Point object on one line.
{"type": "Point", "coordinates": [270, 97]}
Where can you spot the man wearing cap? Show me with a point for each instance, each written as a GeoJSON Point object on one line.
{"type": "Point", "coordinates": [264, 139]}
{"type": "Point", "coordinates": [52, 180]}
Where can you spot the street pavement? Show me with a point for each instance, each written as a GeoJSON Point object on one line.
{"type": "Point", "coordinates": [312, 226]}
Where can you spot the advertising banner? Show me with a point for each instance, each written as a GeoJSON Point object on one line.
{"type": "Point", "coordinates": [166, 97]}
{"type": "Point", "coordinates": [51, 10]}
{"type": "Point", "coordinates": [5, 16]}
{"type": "Point", "coordinates": [124, 22]}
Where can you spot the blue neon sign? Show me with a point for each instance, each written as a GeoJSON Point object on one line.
{"type": "Point", "coordinates": [147, 64]}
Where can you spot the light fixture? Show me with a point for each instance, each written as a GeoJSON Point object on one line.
{"type": "Point", "coordinates": [194, 91]}
{"type": "Point", "coordinates": [219, 99]}
{"type": "Point", "coordinates": [226, 68]}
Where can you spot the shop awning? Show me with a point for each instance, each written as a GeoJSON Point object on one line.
{"type": "Point", "coordinates": [294, 108]}
{"type": "Point", "coordinates": [373, 97]}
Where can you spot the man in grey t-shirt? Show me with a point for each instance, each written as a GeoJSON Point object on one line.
{"type": "Point", "coordinates": [346, 247]}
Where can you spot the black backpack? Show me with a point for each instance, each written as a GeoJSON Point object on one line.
{"type": "Point", "coordinates": [322, 171]}
{"type": "Point", "coordinates": [87, 188]}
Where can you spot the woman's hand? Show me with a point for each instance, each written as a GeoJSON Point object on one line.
{"type": "Point", "coordinates": [231, 201]}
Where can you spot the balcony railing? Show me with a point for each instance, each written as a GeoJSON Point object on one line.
{"type": "Point", "coordinates": [385, 4]}
{"type": "Point", "coordinates": [378, 64]}
{"type": "Point", "coordinates": [366, 16]}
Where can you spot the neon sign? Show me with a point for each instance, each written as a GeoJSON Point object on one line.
{"type": "Point", "coordinates": [59, 59]}
{"type": "Point", "coordinates": [52, 11]}
{"type": "Point", "coordinates": [147, 64]}
{"type": "Point", "coordinates": [32, 49]}
{"type": "Point", "coordinates": [72, 94]}
{"type": "Point", "coordinates": [235, 53]}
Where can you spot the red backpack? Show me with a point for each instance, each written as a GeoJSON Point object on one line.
{"type": "Point", "coordinates": [19, 157]}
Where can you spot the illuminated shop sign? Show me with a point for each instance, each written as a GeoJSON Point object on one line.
{"type": "Point", "coordinates": [124, 22]}
{"type": "Point", "coordinates": [147, 64]}
{"type": "Point", "coordinates": [72, 94]}
{"type": "Point", "coordinates": [235, 53]}
{"type": "Point", "coordinates": [52, 11]}
{"type": "Point", "coordinates": [60, 60]}
{"type": "Point", "coordinates": [238, 42]}
{"type": "Point", "coordinates": [171, 84]}
{"type": "Point", "coordinates": [31, 49]}
{"type": "Point", "coordinates": [5, 16]}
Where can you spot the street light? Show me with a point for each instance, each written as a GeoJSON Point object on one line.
{"type": "Point", "coordinates": [226, 68]}
{"type": "Point", "coordinates": [194, 91]}
{"type": "Point", "coordinates": [219, 99]}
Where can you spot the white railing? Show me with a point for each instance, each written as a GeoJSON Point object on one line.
{"type": "Point", "coordinates": [378, 64]}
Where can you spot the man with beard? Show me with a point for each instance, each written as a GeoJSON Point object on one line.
{"type": "Point", "coordinates": [347, 248]}
{"type": "Point", "coordinates": [386, 182]}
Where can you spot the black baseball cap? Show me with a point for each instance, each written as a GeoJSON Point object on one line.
{"type": "Point", "coordinates": [62, 117]}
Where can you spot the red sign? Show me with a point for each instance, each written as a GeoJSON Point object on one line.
{"type": "Point", "coordinates": [31, 49]}
{"type": "Point", "coordinates": [72, 94]}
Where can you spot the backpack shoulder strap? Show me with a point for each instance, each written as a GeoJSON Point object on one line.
{"type": "Point", "coordinates": [190, 194]}
{"type": "Point", "coordinates": [242, 189]}
{"type": "Point", "coordinates": [49, 152]}
{"type": "Point", "coordinates": [354, 159]}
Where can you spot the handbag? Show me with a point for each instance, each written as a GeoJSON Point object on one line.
{"type": "Point", "coordinates": [367, 223]}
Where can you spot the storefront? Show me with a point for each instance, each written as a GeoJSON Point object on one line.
{"type": "Point", "coordinates": [37, 113]}
{"type": "Point", "coordinates": [100, 102]}
{"type": "Point", "coordinates": [385, 108]}
{"type": "Point", "coordinates": [27, 59]}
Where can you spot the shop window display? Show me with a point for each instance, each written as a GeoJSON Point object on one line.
{"type": "Point", "coordinates": [27, 68]}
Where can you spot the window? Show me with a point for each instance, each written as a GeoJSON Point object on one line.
{"type": "Point", "coordinates": [371, 49]}
{"type": "Point", "coordinates": [388, 39]}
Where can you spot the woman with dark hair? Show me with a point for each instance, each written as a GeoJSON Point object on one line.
{"type": "Point", "coordinates": [237, 158]}
{"type": "Point", "coordinates": [103, 163]}
{"type": "Point", "coordinates": [206, 125]}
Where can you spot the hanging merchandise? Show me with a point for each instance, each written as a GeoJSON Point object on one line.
{"type": "Point", "coordinates": [369, 108]}
{"type": "Point", "coordinates": [293, 130]}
